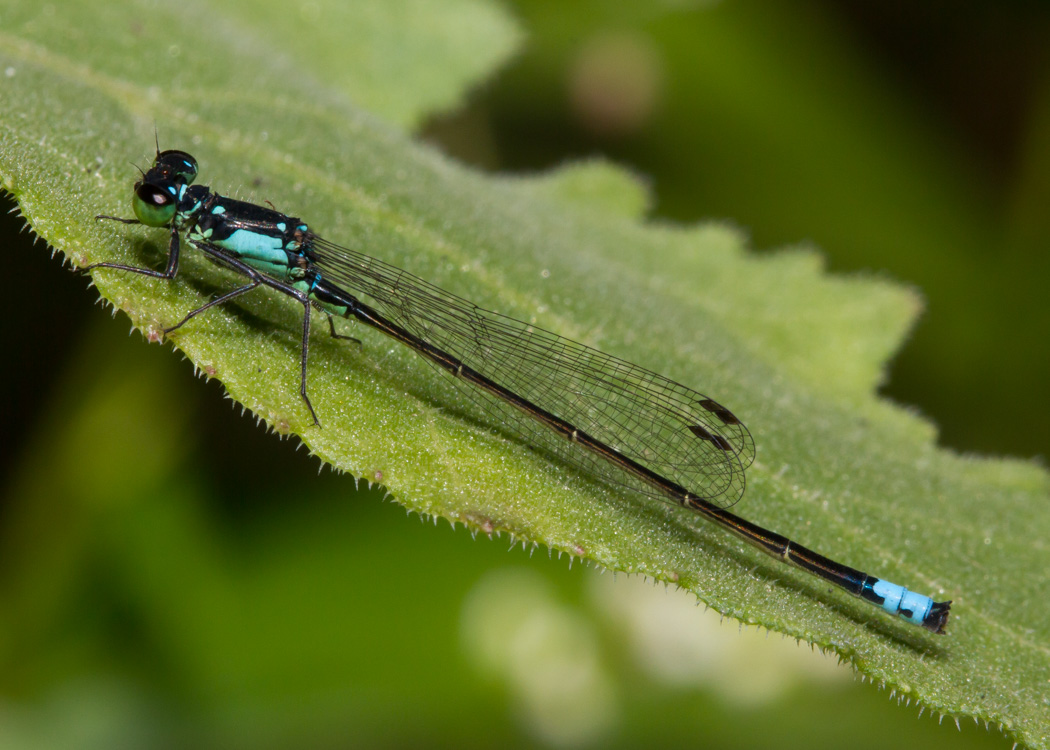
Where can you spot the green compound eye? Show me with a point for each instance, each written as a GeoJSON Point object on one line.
{"type": "Point", "coordinates": [154, 206]}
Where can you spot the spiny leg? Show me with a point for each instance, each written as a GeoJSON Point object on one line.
{"type": "Point", "coordinates": [331, 328]}
{"type": "Point", "coordinates": [306, 352]}
{"type": "Point", "coordinates": [173, 256]}
{"type": "Point", "coordinates": [258, 278]}
{"type": "Point", "coordinates": [217, 301]}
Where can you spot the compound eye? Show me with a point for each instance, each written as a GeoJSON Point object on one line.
{"type": "Point", "coordinates": [153, 205]}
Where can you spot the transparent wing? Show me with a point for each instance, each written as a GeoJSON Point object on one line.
{"type": "Point", "coordinates": [673, 430]}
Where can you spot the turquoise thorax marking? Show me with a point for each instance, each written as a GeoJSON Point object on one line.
{"type": "Point", "coordinates": [262, 251]}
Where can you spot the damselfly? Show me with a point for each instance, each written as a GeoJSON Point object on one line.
{"type": "Point", "coordinates": [605, 416]}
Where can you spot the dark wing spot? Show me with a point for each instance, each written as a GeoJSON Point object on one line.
{"type": "Point", "coordinates": [719, 411]}
{"type": "Point", "coordinates": [718, 441]}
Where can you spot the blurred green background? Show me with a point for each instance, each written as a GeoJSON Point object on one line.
{"type": "Point", "coordinates": [201, 603]}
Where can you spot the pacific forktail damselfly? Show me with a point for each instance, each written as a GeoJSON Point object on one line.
{"type": "Point", "coordinates": [607, 417]}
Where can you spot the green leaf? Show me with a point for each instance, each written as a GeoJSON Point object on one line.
{"type": "Point", "coordinates": [792, 351]}
{"type": "Point", "coordinates": [381, 53]}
